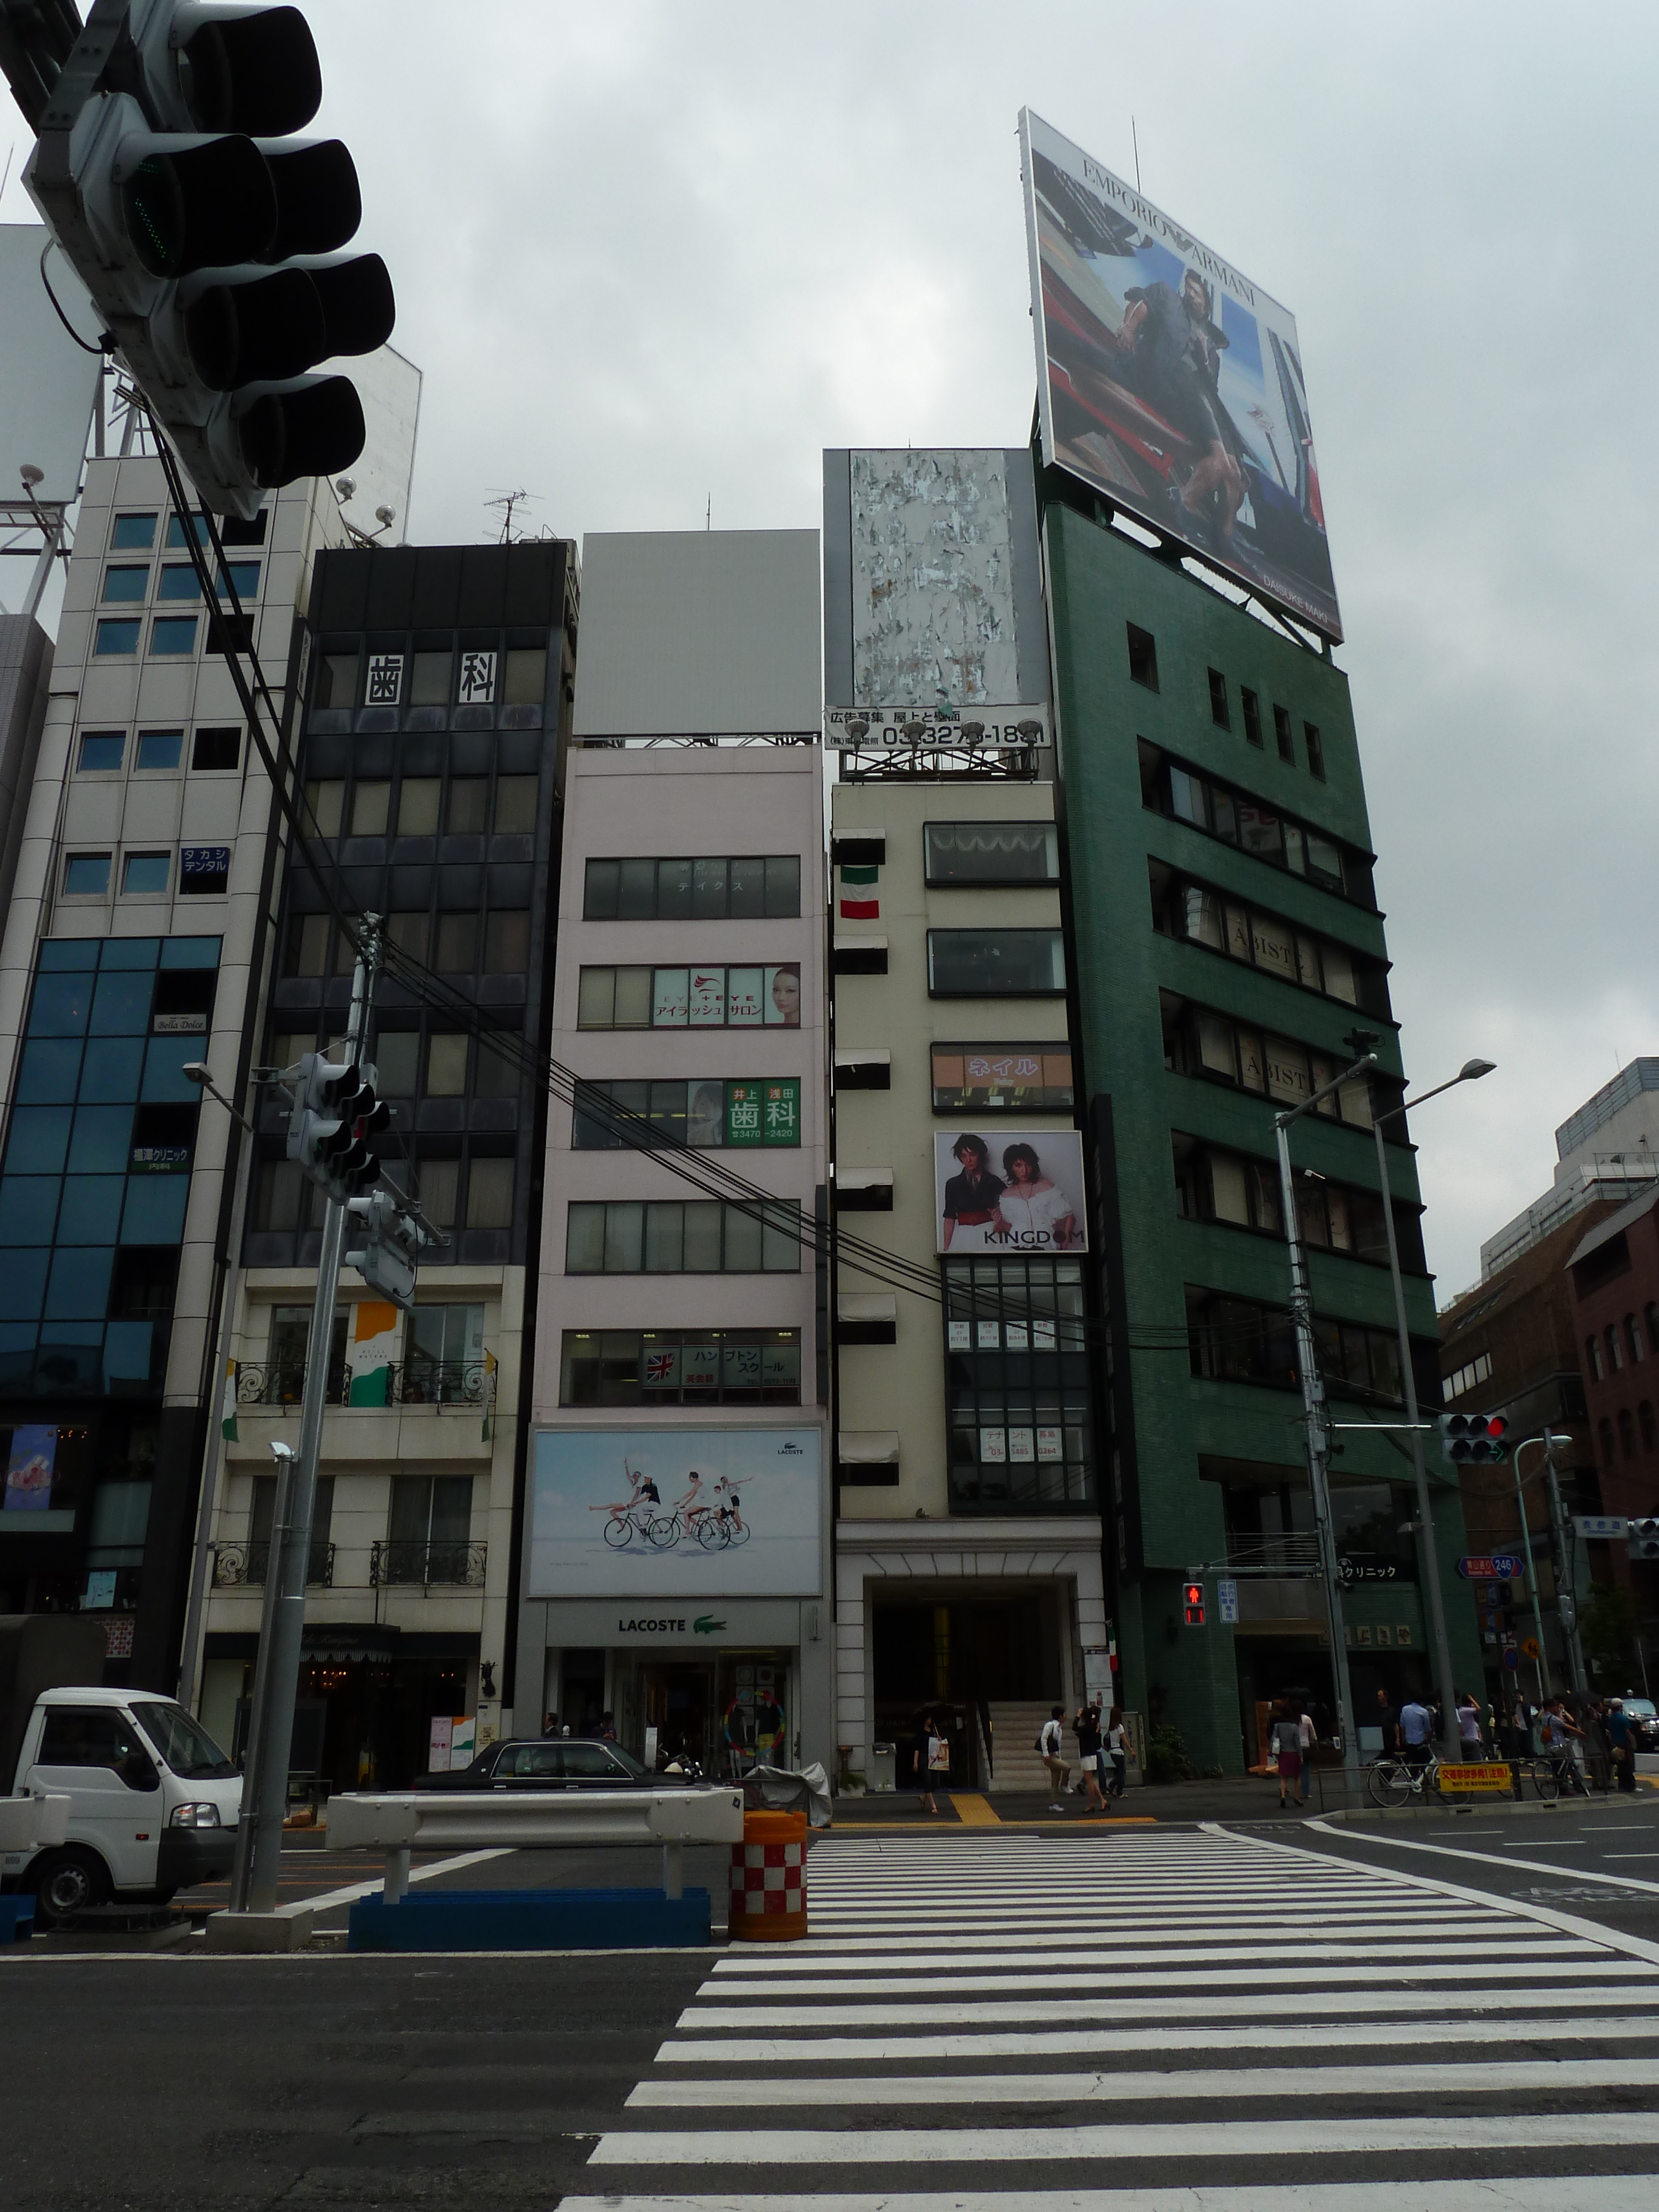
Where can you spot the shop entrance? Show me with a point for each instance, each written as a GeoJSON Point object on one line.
{"type": "Point", "coordinates": [964, 1650]}
{"type": "Point", "coordinates": [728, 1711]}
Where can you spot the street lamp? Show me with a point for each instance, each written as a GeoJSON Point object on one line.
{"type": "Point", "coordinates": [1451, 1744]}
{"type": "Point", "coordinates": [1313, 1404]}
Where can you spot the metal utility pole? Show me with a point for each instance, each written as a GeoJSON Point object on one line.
{"type": "Point", "coordinates": [1451, 1747]}
{"type": "Point", "coordinates": [1566, 1598]}
{"type": "Point", "coordinates": [1313, 1405]}
{"type": "Point", "coordinates": [1545, 1688]}
{"type": "Point", "coordinates": [276, 1676]}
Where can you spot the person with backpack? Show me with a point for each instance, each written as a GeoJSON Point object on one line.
{"type": "Point", "coordinates": [1052, 1745]}
{"type": "Point", "coordinates": [1086, 1727]}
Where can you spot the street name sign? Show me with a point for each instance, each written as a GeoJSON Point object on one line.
{"type": "Point", "coordinates": [1490, 1567]}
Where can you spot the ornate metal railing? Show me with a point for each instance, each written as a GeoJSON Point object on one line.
{"type": "Point", "coordinates": [282, 1383]}
{"type": "Point", "coordinates": [438, 1382]}
{"type": "Point", "coordinates": [401, 1564]}
{"type": "Point", "coordinates": [249, 1563]}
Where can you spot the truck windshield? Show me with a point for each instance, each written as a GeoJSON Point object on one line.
{"type": "Point", "coordinates": [184, 1745]}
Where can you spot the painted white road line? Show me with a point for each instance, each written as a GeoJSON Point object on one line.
{"type": "Point", "coordinates": [947, 1988]}
{"type": "Point", "coordinates": [351, 1895]}
{"type": "Point", "coordinates": [1316, 2035]}
{"type": "Point", "coordinates": [1522, 1943]}
{"type": "Point", "coordinates": [1344, 2003]}
{"type": "Point", "coordinates": [1208, 2084]}
{"type": "Point", "coordinates": [1287, 2136]}
{"type": "Point", "coordinates": [1484, 1858]}
{"type": "Point", "coordinates": [1612, 2192]}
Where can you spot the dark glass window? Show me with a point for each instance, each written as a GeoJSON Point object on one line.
{"type": "Point", "coordinates": [1282, 734]}
{"type": "Point", "coordinates": [680, 1367]}
{"type": "Point", "coordinates": [1143, 658]}
{"type": "Point", "coordinates": [159, 749]}
{"type": "Point", "coordinates": [674, 1237]}
{"type": "Point", "coordinates": [102, 751]}
{"type": "Point", "coordinates": [178, 581]}
{"type": "Point", "coordinates": [126, 583]}
{"type": "Point", "coordinates": [1252, 717]}
{"type": "Point", "coordinates": [642, 889]}
{"type": "Point", "coordinates": [1021, 1429]}
{"type": "Point", "coordinates": [146, 872]}
{"type": "Point", "coordinates": [173, 633]}
{"type": "Point", "coordinates": [1218, 710]}
{"type": "Point", "coordinates": [991, 853]}
{"type": "Point", "coordinates": [116, 636]}
{"type": "Point", "coordinates": [1316, 746]}
{"type": "Point", "coordinates": [216, 749]}
{"type": "Point", "coordinates": [133, 533]}
{"type": "Point", "coordinates": [506, 943]}
{"type": "Point", "coordinates": [996, 963]}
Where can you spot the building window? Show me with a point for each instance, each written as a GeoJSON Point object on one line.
{"type": "Point", "coordinates": [672, 1237]}
{"type": "Point", "coordinates": [144, 874]}
{"type": "Point", "coordinates": [1626, 1433]}
{"type": "Point", "coordinates": [1650, 1431]}
{"type": "Point", "coordinates": [305, 950]}
{"type": "Point", "coordinates": [1002, 1079]}
{"type": "Point", "coordinates": [325, 800]}
{"type": "Point", "coordinates": [116, 636]}
{"type": "Point", "coordinates": [1593, 1352]}
{"type": "Point", "coordinates": [214, 750]}
{"type": "Point", "coordinates": [1467, 1377]}
{"type": "Point", "coordinates": [1198, 915]}
{"type": "Point", "coordinates": [516, 796]}
{"type": "Point", "coordinates": [178, 581]}
{"type": "Point", "coordinates": [991, 853]}
{"type": "Point", "coordinates": [1213, 1185]}
{"type": "Point", "coordinates": [763, 888]}
{"type": "Point", "coordinates": [707, 1113]}
{"type": "Point", "coordinates": [86, 875]}
{"type": "Point", "coordinates": [173, 633]}
{"type": "Point", "coordinates": [242, 577]}
{"type": "Point", "coordinates": [467, 812]}
{"type": "Point", "coordinates": [180, 536]}
{"type": "Point", "coordinates": [102, 751]}
{"type": "Point", "coordinates": [160, 748]}
{"type": "Point", "coordinates": [1615, 1350]}
{"type": "Point", "coordinates": [445, 1335]}
{"type": "Point", "coordinates": [1200, 1042]}
{"type": "Point", "coordinates": [458, 945]}
{"type": "Point", "coordinates": [124, 583]}
{"type": "Point", "coordinates": [1218, 713]}
{"type": "Point", "coordinates": [429, 1528]}
{"type": "Point", "coordinates": [1143, 658]}
{"type": "Point", "coordinates": [680, 1367]}
{"type": "Point", "coordinates": [996, 963]}
{"type": "Point", "coordinates": [1282, 734]}
{"type": "Point", "coordinates": [335, 681]}
{"type": "Point", "coordinates": [133, 533]}
{"type": "Point", "coordinates": [1238, 1340]}
{"type": "Point", "coordinates": [437, 1188]}
{"type": "Point", "coordinates": [1252, 718]}
{"type": "Point", "coordinates": [688, 998]}
{"type": "Point", "coordinates": [205, 872]}
{"type": "Point", "coordinates": [507, 942]}
{"type": "Point", "coordinates": [445, 1065]}
{"type": "Point", "coordinates": [489, 1194]}
{"type": "Point", "coordinates": [1021, 1433]}
{"type": "Point", "coordinates": [1633, 1338]}
{"type": "Point", "coordinates": [1167, 788]}
{"type": "Point", "coordinates": [1316, 746]}
{"type": "Point", "coordinates": [396, 1062]}
{"type": "Point", "coordinates": [370, 805]}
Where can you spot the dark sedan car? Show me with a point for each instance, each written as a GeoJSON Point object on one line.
{"type": "Point", "coordinates": [550, 1763]}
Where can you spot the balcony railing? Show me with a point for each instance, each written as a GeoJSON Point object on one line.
{"type": "Point", "coordinates": [398, 1563]}
{"type": "Point", "coordinates": [235, 1564]}
{"type": "Point", "coordinates": [460, 1382]}
{"type": "Point", "coordinates": [1274, 1555]}
{"type": "Point", "coordinates": [282, 1383]}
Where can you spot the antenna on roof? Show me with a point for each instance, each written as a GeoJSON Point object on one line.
{"type": "Point", "coordinates": [1135, 142]}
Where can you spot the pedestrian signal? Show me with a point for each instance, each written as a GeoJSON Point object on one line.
{"type": "Point", "coordinates": [1193, 1602]}
{"type": "Point", "coordinates": [1476, 1439]}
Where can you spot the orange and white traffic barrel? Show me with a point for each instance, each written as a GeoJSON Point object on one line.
{"type": "Point", "coordinates": [768, 1879]}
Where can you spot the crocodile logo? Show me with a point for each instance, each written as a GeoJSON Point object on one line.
{"type": "Point", "coordinates": [705, 1625]}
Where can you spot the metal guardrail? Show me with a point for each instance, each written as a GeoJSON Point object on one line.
{"type": "Point", "coordinates": [462, 1382]}
{"type": "Point", "coordinates": [395, 1564]}
{"type": "Point", "coordinates": [444, 1819]}
{"type": "Point", "coordinates": [235, 1564]}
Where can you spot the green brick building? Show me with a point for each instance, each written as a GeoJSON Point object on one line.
{"type": "Point", "coordinates": [1225, 939]}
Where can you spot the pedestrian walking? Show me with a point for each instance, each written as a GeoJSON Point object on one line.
{"type": "Point", "coordinates": [1469, 1729]}
{"type": "Point", "coordinates": [1284, 1742]}
{"type": "Point", "coordinates": [1388, 1722]}
{"type": "Point", "coordinates": [1117, 1750]}
{"type": "Point", "coordinates": [921, 1762]}
{"type": "Point", "coordinates": [1052, 1745]}
{"type": "Point", "coordinates": [1087, 1728]}
{"type": "Point", "coordinates": [1622, 1744]}
{"type": "Point", "coordinates": [1309, 1735]}
{"type": "Point", "coordinates": [1416, 1731]}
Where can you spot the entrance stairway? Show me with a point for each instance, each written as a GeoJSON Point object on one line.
{"type": "Point", "coordinates": [1015, 1729]}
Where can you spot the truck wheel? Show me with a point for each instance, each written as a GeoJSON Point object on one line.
{"type": "Point", "coordinates": [67, 1883]}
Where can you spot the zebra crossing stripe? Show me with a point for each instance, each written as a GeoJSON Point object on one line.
{"type": "Point", "coordinates": [1193, 1955]}
{"type": "Point", "coordinates": [1608, 2192]}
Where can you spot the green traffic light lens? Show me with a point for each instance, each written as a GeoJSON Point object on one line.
{"type": "Point", "coordinates": [154, 211]}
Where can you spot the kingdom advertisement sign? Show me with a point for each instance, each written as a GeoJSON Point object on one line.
{"type": "Point", "coordinates": [1171, 381]}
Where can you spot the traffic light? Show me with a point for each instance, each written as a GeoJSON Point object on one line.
{"type": "Point", "coordinates": [1471, 1439]}
{"type": "Point", "coordinates": [335, 1110]}
{"type": "Point", "coordinates": [390, 1251]}
{"type": "Point", "coordinates": [1192, 1599]}
{"type": "Point", "coordinates": [209, 236]}
{"type": "Point", "coordinates": [1645, 1540]}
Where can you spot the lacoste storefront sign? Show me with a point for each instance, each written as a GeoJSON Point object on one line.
{"type": "Point", "coordinates": [677, 1624]}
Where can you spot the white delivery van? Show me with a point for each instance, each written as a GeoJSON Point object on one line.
{"type": "Point", "coordinates": [154, 1803]}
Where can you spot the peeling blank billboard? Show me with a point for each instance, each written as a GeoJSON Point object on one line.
{"type": "Point", "coordinates": [1170, 382]}
{"type": "Point", "coordinates": [48, 384]}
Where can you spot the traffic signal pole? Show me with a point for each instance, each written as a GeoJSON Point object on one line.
{"type": "Point", "coordinates": [1566, 1596]}
{"type": "Point", "coordinates": [277, 1673]}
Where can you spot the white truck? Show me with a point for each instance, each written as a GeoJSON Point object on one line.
{"type": "Point", "coordinates": [153, 1801]}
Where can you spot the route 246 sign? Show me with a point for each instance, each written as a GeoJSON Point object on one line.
{"type": "Point", "coordinates": [1497, 1567]}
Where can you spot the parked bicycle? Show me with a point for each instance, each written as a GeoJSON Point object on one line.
{"type": "Point", "coordinates": [1558, 1773]}
{"type": "Point", "coordinates": [1395, 1781]}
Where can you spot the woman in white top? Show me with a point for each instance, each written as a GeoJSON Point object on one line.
{"type": "Point", "coordinates": [1033, 1213]}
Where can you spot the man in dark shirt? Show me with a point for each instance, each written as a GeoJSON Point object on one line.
{"type": "Point", "coordinates": [1388, 1721]}
{"type": "Point", "coordinates": [1623, 1747]}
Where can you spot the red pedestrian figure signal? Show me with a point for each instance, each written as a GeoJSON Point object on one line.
{"type": "Point", "coordinates": [1193, 1602]}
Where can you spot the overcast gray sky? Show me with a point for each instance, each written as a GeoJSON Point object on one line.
{"type": "Point", "coordinates": [652, 256]}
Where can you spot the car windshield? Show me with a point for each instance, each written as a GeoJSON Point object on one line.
{"type": "Point", "coordinates": [184, 1745]}
{"type": "Point", "coordinates": [1640, 1709]}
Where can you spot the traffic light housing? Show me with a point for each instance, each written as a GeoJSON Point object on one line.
{"type": "Point", "coordinates": [389, 1253]}
{"type": "Point", "coordinates": [1644, 1539]}
{"type": "Point", "coordinates": [335, 1112]}
{"type": "Point", "coordinates": [1473, 1439]}
{"type": "Point", "coordinates": [1192, 1599]}
{"type": "Point", "coordinates": [209, 236]}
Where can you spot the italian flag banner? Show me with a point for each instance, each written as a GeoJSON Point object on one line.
{"type": "Point", "coordinates": [860, 909]}
{"type": "Point", "coordinates": [228, 1405]}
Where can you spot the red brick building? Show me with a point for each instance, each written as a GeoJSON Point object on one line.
{"type": "Point", "coordinates": [1613, 1273]}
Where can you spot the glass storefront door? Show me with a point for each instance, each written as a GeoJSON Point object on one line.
{"type": "Point", "coordinates": [727, 1710]}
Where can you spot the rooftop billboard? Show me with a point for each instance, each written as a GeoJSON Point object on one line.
{"type": "Point", "coordinates": [1170, 382]}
